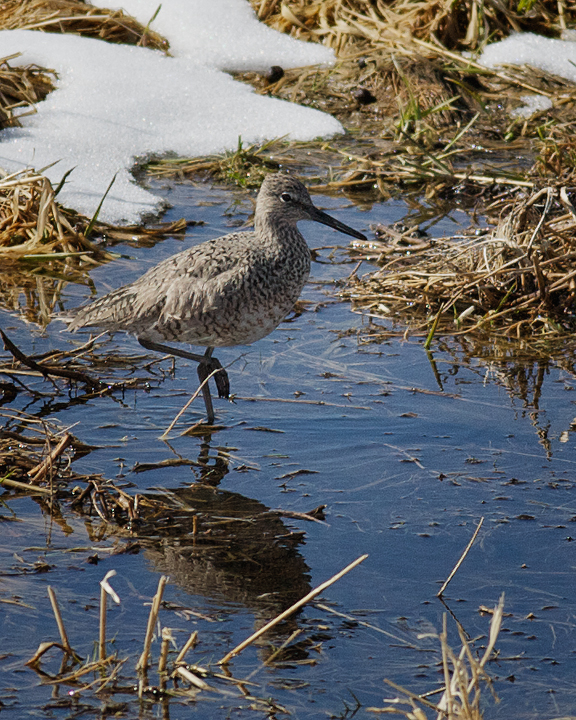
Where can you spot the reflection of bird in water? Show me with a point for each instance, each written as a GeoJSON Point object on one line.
{"type": "Point", "coordinates": [218, 543]}
{"type": "Point", "coordinates": [227, 547]}
{"type": "Point", "coordinates": [232, 290]}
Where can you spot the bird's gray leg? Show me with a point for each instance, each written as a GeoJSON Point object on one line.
{"type": "Point", "coordinates": [206, 365]}
{"type": "Point", "coordinates": [158, 347]}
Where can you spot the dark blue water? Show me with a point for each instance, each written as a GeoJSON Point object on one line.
{"type": "Point", "coordinates": [405, 468]}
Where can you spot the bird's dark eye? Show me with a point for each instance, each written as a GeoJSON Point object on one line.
{"type": "Point", "coordinates": [286, 197]}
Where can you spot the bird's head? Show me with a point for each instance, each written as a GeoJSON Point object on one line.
{"type": "Point", "coordinates": [285, 198]}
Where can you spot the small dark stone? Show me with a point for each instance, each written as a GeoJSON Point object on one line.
{"type": "Point", "coordinates": [363, 96]}
{"type": "Point", "coordinates": [274, 74]}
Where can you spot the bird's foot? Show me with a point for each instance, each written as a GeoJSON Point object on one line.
{"type": "Point", "coordinates": [209, 365]}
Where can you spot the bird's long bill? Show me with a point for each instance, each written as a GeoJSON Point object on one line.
{"type": "Point", "coordinates": [325, 219]}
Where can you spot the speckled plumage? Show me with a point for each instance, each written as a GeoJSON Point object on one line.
{"type": "Point", "coordinates": [232, 290]}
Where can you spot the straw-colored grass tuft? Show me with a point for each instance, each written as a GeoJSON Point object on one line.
{"type": "Point", "coordinates": [20, 88]}
{"type": "Point", "coordinates": [80, 18]}
{"type": "Point", "coordinates": [517, 281]}
{"type": "Point", "coordinates": [32, 224]}
{"type": "Point", "coordinates": [43, 246]}
{"type": "Point", "coordinates": [346, 25]}
{"type": "Point", "coordinates": [465, 677]}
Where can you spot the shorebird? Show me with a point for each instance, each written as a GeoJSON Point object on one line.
{"type": "Point", "coordinates": [232, 290]}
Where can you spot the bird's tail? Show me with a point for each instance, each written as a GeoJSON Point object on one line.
{"type": "Point", "coordinates": [107, 313]}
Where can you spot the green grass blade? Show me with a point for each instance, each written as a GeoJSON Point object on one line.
{"type": "Point", "coordinates": [92, 222]}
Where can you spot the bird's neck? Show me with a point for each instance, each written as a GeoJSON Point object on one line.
{"type": "Point", "coordinates": [279, 233]}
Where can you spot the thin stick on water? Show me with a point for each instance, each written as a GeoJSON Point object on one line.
{"type": "Point", "coordinates": [59, 621]}
{"type": "Point", "coordinates": [461, 560]}
{"type": "Point", "coordinates": [297, 605]}
{"type": "Point", "coordinates": [275, 654]}
{"type": "Point", "coordinates": [183, 410]}
{"type": "Point", "coordinates": [163, 661]}
{"type": "Point", "coordinates": [190, 643]}
{"type": "Point", "coordinates": [102, 633]}
{"type": "Point", "coordinates": [143, 661]}
{"type": "Point", "coordinates": [105, 590]}
{"type": "Point", "coordinates": [38, 473]}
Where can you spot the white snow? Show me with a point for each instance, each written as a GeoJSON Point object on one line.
{"type": "Point", "coordinates": [224, 34]}
{"type": "Point", "coordinates": [554, 56]}
{"type": "Point", "coordinates": [116, 103]}
{"type": "Point", "coordinates": [532, 104]}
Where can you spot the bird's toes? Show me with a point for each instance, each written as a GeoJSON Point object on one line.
{"type": "Point", "coordinates": [221, 379]}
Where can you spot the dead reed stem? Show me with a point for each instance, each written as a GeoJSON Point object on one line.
{"type": "Point", "coordinates": [464, 679]}
{"type": "Point", "coordinates": [59, 621]}
{"type": "Point", "coordinates": [38, 473]}
{"type": "Point", "coordinates": [461, 560]}
{"type": "Point", "coordinates": [190, 643]}
{"type": "Point", "coordinates": [514, 281]}
{"type": "Point", "coordinates": [102, 624]}
{"type": "Point", "coordinates": [163, 659]}
{"type": "Point", "coordinates": [187, 405]}
{"type": "Point", "coordinates": [306, 599]}
{"type": "Point", "coordinates": [143, 662]}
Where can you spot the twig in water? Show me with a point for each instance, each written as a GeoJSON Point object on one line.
{"type": "Point", "coordinates": [46, 370]}
{"type": "Point", "coordinates": [143, 661]}
{"type": "Point", "coordinates": [32, 489]}
{"type": "Point", "coordinates": [163, 660]}
{"type": "Point", "coordinates": [183, 410]}
{"type": "Point", "coordinates": [102, 626]}
{"type": "Point", "coordinates": [105, 590]}
{"type": "Point", "coordinates": [402, 641]}
{"type": "Point", "coordinates": [38, 473]}
{"type": "Point", "coordinates": [306, 599]}
{"type": "Point", "coordinates": [275, 654]}
{"type": "Point", "coordinates": [190, 643]}
{"type": "Point", "coordinates": [461, 560]}
{"type": "Point", "coordinates": [60, 622]}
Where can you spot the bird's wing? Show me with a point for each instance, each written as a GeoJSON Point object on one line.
{"type": "Point", "coordinates": [175, 284]}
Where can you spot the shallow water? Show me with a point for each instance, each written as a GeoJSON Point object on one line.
{"type": "Point", "coordinates": [407, 457]}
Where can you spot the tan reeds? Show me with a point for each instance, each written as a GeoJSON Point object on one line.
{"type": "Point", "coordinates": [31, 449]}
{"type": "Point", "coordinates": [345, 24]}
{"type": "Point", "coordinates": [464, 679]}
{"type": "Point", "coordinates": [144, 660]}
{"type": "Point", "coordinates": [517, 281]}
{"type": "Point", "coordinates": [20, 88]}
{"type": "Point", "coordinates": [291, 610]}
{"type": "Point", "coordinates": [80, 18]}
{"type": "Point", "coordinates": [32, 224]}
{"type": "Point", "coordinates": [36, 230]}
{"type": "Point", "coordinates": [460, 559]}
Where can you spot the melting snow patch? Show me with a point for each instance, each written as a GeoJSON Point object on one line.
{"type": "Point", "coordinates": [554, 56]}
{"type": "Point", "coordinates": [116, 103]}
{"type": "Point", "coordinates": [532, 104]}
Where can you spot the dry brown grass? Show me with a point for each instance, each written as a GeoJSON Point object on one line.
{"type": "Point", "coordinates": [516, 281]}
{"type": "Point", "coordinates": [43, 246]}
{"type": "Point", "coordinates": [80, 18]}
{"type": "Point", "coordinates": [32, 224]}
{"type": "Point", "coordinates": [347, 25]}
{"type": "Point", "coordinates": [20, 88]}
{"type": "Point", "coordinates": [465, 678]}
